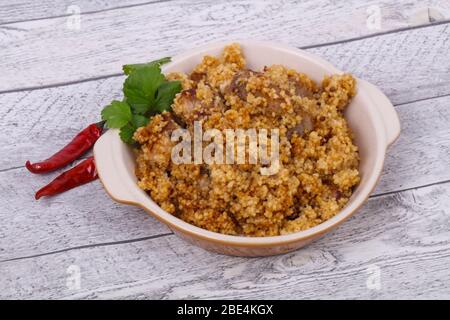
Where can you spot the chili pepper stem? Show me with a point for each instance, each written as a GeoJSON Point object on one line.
{"type": "Point", "coordinates": [101, 124]}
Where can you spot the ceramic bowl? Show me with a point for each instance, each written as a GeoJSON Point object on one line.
{"type": "Point", "coordinates": [370, 115]}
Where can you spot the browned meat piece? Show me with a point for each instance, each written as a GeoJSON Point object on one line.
{"type": "Point", "coordinates": [188, 108]}
{"type": "Point", "coordinates": [303, 91]}
{"type": "Point", "coordinates": [238, 87]}
{"type": "Point", "coordinates": [156, 137]}
{"type": "Point", "coordinates": [197, 76]}
{"type": "Point", "coordinates": [304, 126]}
{"type": "Point", "coordinates": [171, 124]}
{"type": "Point", "coordinates": [160, 153]}
{"type": "Point", "coordinates": [186, 105]}
{"type": "Point", "coordinates": [239, 82]}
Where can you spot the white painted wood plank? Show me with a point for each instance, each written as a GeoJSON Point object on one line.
{"type": "Point", "coordinates": [53, 116]}
{"type": "Point", "coordinates": [56, 114]}
{"type": "Point", "coordinates": [83, 216]}
{"type": "Point", "coordinates": [86, 216]}
{"type": "Point", "coordinates": [407, 66]}
{"type": "Point", "coordinates": [23, 10]}
{"type": "Point", "coordinates": [406, 236]}
{"type": "Point", "coordinates": [403, 12]}
{"type": "Point", "coordinates": [37, 123]}
{"type": "Point", "coordinates": [421, 155]}
{"type": "Point", "coordinates": [45, 52]}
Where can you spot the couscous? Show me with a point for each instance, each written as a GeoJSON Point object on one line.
{"type": "Point", "coordinates": [318, 161]}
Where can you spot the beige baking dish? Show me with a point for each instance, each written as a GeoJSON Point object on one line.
{"type": "Point", "coordinates": [371, 116]}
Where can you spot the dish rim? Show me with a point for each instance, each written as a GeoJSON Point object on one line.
{"type": "Point", "coordinates": [246, 241]}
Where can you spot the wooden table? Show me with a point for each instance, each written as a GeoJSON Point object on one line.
{"type": "Point", "coordinates": [59, 69]}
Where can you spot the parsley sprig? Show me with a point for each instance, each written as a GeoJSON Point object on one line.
{"type": "Point", "coordinates": [146, 93]}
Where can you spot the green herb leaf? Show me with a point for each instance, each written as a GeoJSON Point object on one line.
{"type": "Point", "coordinates": [116, 114]}
{"type": "Point", "coordinates": [140, 88]}
{"type": "Point", "coordinates": [129, 68]}
{"type": "Point", "coordinates": [139, 121]}
{"type": "Point", "coordinates": [126, 133]}
{"type": "Point", "coordinates": [166, 94]}
{"type": "Point", "coordinates": [146, 93]}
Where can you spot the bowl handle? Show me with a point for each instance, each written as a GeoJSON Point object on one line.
{"type": "Point", "coordinates": [386, 109]}
{"type": "Point", "coordinates": [112, 175]}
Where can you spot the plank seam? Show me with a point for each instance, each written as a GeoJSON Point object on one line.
{"type": "Point", "coordinates": [422, 99]}
{"type": "Point", "coordinates": [11, 169]}
{"type": "Point", "coordinates": [87, 246]}
{"type": "Point", "coordinates": [112, 75]}
{"type": "Point", "coordinates": [396, 105]}
{"type": "Point", "coordinates": [104, 244]}
{"type": "Point", "coordinates": [87, 12]}
{"type": "Point", "coordinates": [409, 189]}
{"type": "Point", "coordinates": [62, 84]}
{"type": "Point", "coordinates": [378, 34]}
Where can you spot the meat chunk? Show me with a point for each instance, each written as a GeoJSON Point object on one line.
{"type": "Point", "coordinates": [239, 85]}
{"type": "Point", "coordinates": [239, 82]}
{"type": "Point", "coordinates": [306, 125]}
{"type": "Point", "coordinates": [197, 76]}
{"type": "Point", "coordinates": [188, 108]}
{"type": "Point", "coordinates": [186, 105]}
{"type": "Point", "coordinates": [303, 91]}
{"type": "Point", "coordinates": [155, 137]}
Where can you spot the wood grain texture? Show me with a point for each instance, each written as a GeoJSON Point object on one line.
{"type": "Point", "coordinates": [421, 155]}
{"type": "Point", "coordinates": [394, 62]}
{"type": "Point", "coordinates": [25, 10]}
{"type": "Point", "coordinates": [124, 253]}
{"type": "Point", "coordinates": [52, 53]}
{"type": "Point", "coordinates": [86, 216]}
{"type": "Point", "coordinates": [407, 66]}
{"type": "Point", "coordinates": [82, 217]}
{"type": "Point", "coordinates": [406, 236]}
{"type": "Point", "coordinates": [398, 13]}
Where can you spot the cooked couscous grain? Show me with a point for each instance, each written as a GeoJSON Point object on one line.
{"type": "Point", "coordinates": [318, 159]}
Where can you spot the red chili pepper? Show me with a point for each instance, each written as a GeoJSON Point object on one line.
{"type": "Point", "coordinates": [79, 145]}
{"type": "Point", "coordinates": [82, 173]}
